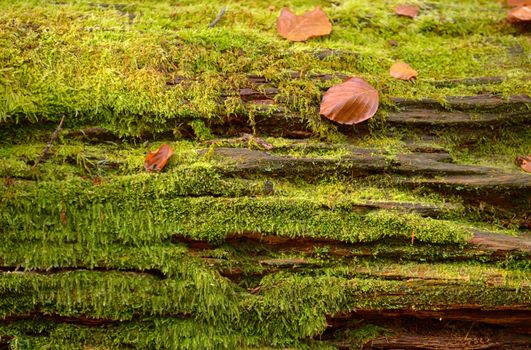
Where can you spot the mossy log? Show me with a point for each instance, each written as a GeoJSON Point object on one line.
{"type": "Point", "coordinates": [270, 226]}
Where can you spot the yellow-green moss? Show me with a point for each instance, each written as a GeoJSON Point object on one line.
{"type": "Point", "coordinates": [109, 64]}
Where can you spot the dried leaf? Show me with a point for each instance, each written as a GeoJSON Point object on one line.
{"type": "Point", "coordinates": [157, 159]}
{"type": "Point", "coordinates": [62, 217]}
{"type": "Point", "coordinates": [519, 14]}
{"type": "Point", "coordinates": [300, 28]}
{"type": "Point", "coordinates": [350, 102]}
{"type": "Point", "coordinates": [403, 71]}
{"type": "Point", "coordinates": [524, 163]}
{"type": "Point", "coordinates": [513, 3]}
{"type": "Point", "coordinates": [407, 10]}
{"type": "Point", "coordinates": [96, 180]}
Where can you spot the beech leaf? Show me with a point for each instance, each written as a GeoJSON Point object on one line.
{"type": "Point", "coordinates": [403, 71]}
{"type": "Point", "coordinates": [350, 102]}
{"type": "Point", "coordinates": [524, 163]}
{"type": "Point", "coordinates": [157, 159]}
{"type": "Point", "coordinates": [300, 28]}
{"type": "Point", "coordinates": [519, 14]}
{"type": "Point", "coordinates": [513, 3]}
{"type": "Point", "coordinates": [407, 10]}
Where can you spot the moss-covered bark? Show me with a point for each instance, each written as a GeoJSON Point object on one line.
{"type": "Point", "coordinates": [409, 229]}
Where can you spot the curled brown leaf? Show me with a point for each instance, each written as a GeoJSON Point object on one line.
{"type": "Point", "coordinates": [513, 3]}
{"type": "Point", "coordinates": [300, 28]}
{"type": "Point", "coordinates": [350, 102]}
{"type": "Point", "coordinates": [524, 162]}
{"type": "Point", "coordinates": [521, 14]}
{"type": "Point", "coordinates": [407, 10]}
{"type": "Point", "coordinates": [403, 71]}
{"type": "Point", "coordinates": [157, 159]}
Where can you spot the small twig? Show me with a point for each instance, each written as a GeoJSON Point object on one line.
{"type": "Point", "coordinates": [218, 18]}
{"type": "Point", "coordinates": [472, 325]}
{"type": "Point", "coordinates": [49, 144]}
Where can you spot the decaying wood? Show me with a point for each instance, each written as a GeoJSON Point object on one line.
{"type": "Point", "coordinates": [370, 161]}
{"type": "Point", "coordinates": [93, 133]}
{"type": "Point", "coordinates": [430, 117]}
{"type": "Point", "coordinates": [413, 341]}
{"type": "Point", "coordinates": [496, 242]}
{"type": "Point", "coordinates": [481, 244]}
{"type": "Point", "coordinates": [478, 102]}
{"type": "Point", "coordinates": [23, 270]}
{"type": "Point", "coordinates": [80, 320]}
{"type": "Point", "coordinates": [468, 81]}
{"type": "Point", "coordinates": [514, 316]}
{"type": "Point", "coordinates": [268, 106]}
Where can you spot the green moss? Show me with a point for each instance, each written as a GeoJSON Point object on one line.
{"type": "Point", "coordinates": [497, 150]}
{"type": "Point", "coordinates": [91, 235]}
{"type": "Point", "coordinates": [109, 65]}
{"type": "Point", "coordinates": [92, 218]}
{"type": "Point", "coordinates": [358, 336]}
{"type": "Point", "coordinates": [288, 309]}
{"type": "Point", "coordinates": [149, 333]}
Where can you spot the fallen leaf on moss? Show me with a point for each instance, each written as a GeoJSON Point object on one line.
{"type": "Point", "coordinates": [96, 180]}
{"type": "Point", "coordinates": [300, 28]}
{"type": "Point", "coordinates": [524, 162]}
{"type": "Point", "coordinates": [519, 14]}
{"type": "Point", "coordinates": [513, 3]}
{"type": "Point", "coordinates": [157, 159]}
{"type": "Point", "coordinates": [62, 217]}
{"type": "Point", "coordinates": [350, 102]}
{"type": "Point", "coordinates": [403, 71]}
{"type": "Point", "coordinates": [407, 10]}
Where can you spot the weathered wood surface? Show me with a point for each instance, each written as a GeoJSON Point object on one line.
{"type": "Point", "coordinates": [413, 341]}
{"type": "Point", "coordinates": [430, 117]}
{"type": "Point", "coordinates": [464, 112]}
{"type": "Point", "coordinates": [514, 316]}
{"type": "Point", "coordinates": [496, 242]}
{"type": "Point", "coordinates": [480, 242]}
{"type": "Point", "coordinates": [472, 115]}
{"type": "Point", "coordinates": [369, 161]}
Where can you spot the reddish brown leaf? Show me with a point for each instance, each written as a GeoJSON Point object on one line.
{"type": "Point", "coordinates": [157, 159]}
{"type": "Point", "coordinates": [350, 102]}
{"type": "Point", "coordinates": [519, 14]}
{"type": "Point", "coordinates": [300, 28]}
{"type": "Point", "coordinates": [96, 180]}
{"type": "Point", "coordinates": [62, 217]}
{"type": "Point", "coordinates": [403, 71]}
{"type": "Point", "coordinates": [513, 3]}
{"type": "Point", "coordinates": [524, 163]}
{"type": "Point", "coordinates": [407, 10]}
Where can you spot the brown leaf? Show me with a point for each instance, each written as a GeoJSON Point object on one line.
{"type": "Point", "coordinates": [524, 163]}
{"type": "Point", "coordinates": [157, 159]}
{"type": "Point", "coordinates": [96, 180]}
{"type": "Point", "coordinates": [403, 71]}
{"type": "Point", "coordinates": [519, 14]}
{"type": "Point", "coordinates": [513, 3]}
{"type": "Point", "coordinates": [407, 10]}
{"type": "Point", "coordinates": [350, 102]}
{"type": "Point", "coordinates": [300, 28]}
{"type": "Point", "coordinates": [62, 217]}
